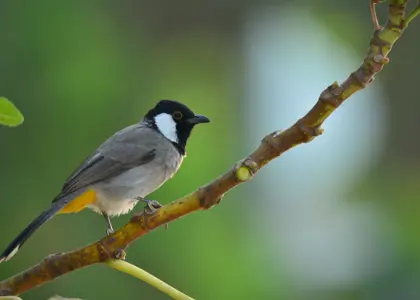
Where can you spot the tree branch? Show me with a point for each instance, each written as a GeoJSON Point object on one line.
{"type": "Point", "coordinates": [272, 146]}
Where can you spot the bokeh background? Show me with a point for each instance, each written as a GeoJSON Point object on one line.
{"type": "Point", "coordinates": [338, 218]}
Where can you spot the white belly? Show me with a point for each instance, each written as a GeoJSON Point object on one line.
{"type": "Point", "coordinates": [111, 207]}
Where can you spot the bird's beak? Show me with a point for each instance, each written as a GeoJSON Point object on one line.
{"type": "Point", "coordinates": [197, 119]}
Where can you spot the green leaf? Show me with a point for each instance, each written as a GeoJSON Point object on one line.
{"type": "Point", "coordinates": [9, 114]}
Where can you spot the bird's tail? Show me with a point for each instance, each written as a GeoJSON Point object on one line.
{"type": "Point", "coordinates": [14, 246]}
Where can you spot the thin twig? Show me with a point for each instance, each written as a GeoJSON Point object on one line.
{"type": "Point", "coordinates": [135, 271]}
{"type": "Point", "coordinates": [414, 13]}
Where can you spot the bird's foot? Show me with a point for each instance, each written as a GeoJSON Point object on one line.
{"type": "Point", "coordinates": [109, 231]}
{"type": "Point", "coordinates": [109, 228]}
{"type": "Point", "coordinates": [151, 205]}
{"type": "Point", "coordinates": [120, 254]}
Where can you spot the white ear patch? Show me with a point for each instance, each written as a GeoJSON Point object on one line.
{"type": "Point", "coordinates": [167, 126]}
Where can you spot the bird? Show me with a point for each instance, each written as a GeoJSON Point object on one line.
{"type": "Point", "coordinates": [124, 169]}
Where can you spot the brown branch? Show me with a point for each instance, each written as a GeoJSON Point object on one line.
{"type": "Point", "coordinates": [272, 146]}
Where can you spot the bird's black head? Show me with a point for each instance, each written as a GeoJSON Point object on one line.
{"type": "Point", "coordinates": [174, 121]}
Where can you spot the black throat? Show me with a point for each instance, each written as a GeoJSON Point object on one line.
{"type": "Point", "coordinates": [183, 132]}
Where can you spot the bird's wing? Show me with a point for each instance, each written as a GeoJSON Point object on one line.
{"type": "Point", "coordinates": [133, 146]}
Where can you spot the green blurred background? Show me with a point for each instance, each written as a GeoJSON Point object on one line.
{"type": "Point", "coordinates": [338, 218]}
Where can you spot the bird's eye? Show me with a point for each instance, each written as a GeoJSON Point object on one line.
{"type": "Point", "coordinates": [177, 115]}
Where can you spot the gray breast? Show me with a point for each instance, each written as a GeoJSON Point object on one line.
{"type": "Point", "coordinates": [144, 179]}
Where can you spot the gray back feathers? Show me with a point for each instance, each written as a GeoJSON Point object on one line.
{"type": "Point", "coordinates": [130, 147]}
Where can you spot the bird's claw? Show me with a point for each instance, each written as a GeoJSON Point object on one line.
{"type": "Point", "coordinates": [120, 254]}
{"type": "Point", "coordinates": [109, 231]}
{"type": "Point", "coordinates": [152, 206]}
